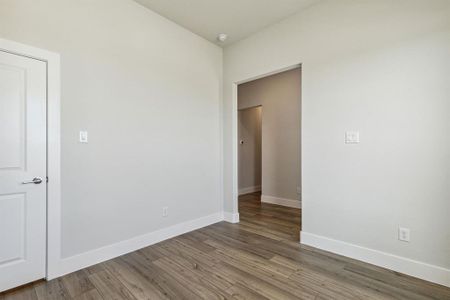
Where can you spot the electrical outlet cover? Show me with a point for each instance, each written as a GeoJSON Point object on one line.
{"type": "Point", "coordinates": [404, 234]}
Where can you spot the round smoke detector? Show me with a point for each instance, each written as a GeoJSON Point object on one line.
{"type": "Point", "coordinates": [222, 37]}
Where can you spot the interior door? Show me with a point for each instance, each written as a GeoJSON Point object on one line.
{"type": "Point", "coordinates": [22, 158]}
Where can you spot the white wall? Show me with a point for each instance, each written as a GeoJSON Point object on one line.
{"type": "Point", "coordinates": [148, 93]}
{"type": "Point", "coordinates": [250, 151]}
{"type": "Point", "coordinates": [279, 96]}
{"type": "Point", "coordinates": [383, 68]}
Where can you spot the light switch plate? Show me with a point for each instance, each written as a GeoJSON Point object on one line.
{"type": "Point", "coordinates": [83, 137]}
{"type": "Point", "coordinates": [352, 137]}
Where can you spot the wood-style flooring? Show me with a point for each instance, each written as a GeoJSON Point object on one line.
{"type": "Point", "coordinates": [259, 258]}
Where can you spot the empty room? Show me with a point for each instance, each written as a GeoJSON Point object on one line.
{"type": "Point", "coordinates": [252, 149]}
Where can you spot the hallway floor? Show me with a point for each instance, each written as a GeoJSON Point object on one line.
{"type": "Point", "coordinates": [273, 221]}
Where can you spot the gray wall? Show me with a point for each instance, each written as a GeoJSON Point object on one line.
{"type": "Point", "coordinates": [383, 68]}
{"type": "Point", "coordinates": [279, 96]}
{"type": "Point", "coordinates": [249, 131]}
{"type": "Point", "coordinates": [148, 93]}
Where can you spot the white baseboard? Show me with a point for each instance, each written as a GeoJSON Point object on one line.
{"type": "Point", "coordinates": [250, 189]}
{"type": "Point", "coordinates": [281, 201]}
{"type": "Point", "coordinates": [396, 263]}
{"type": "Point", "coordinates": [83, 260]}
{"type": "Point", "coordinates": [231, 217]}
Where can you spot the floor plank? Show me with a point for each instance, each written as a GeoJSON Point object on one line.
{"type": "Point", "coordinates": [259, 258]}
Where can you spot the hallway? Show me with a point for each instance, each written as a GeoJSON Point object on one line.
{"type": "Point", "coordinates": [273, 221]}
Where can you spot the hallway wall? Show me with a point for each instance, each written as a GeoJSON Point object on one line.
{"type": "Point", "coordinates": [279, 95]}
{"type": "Point", "coordinates": [250, 151]}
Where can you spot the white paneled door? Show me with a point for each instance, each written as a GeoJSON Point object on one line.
{"type": "Point", "coordinates": [22, 170]}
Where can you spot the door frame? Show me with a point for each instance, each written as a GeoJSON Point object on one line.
{"type": "Point", "coordinates": [234, 134]}
{"type": "Point", "coordinates": [52, 61]}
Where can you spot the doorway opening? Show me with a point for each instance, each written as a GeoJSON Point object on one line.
{"type": "Point", "coordinates": [269, 160]}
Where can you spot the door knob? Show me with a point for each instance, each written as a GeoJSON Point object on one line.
{"type": "Point", "coordinates": [36, 180]}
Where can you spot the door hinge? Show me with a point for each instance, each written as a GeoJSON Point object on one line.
{"type": "Point", "coordinates": [46, 178]}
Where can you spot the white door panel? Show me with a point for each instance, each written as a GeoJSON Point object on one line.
{"type": "Point", "coordinates": [22, 158]}
{"type": "Point", "coordinates": [12, 80]}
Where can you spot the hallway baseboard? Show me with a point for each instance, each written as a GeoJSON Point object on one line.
{"type": "Point", "coordinates": [250, 189]}
{"type": "Point", "coordinates": [281, 201]}
{"type": "Point", "coordinates": [231, 217]}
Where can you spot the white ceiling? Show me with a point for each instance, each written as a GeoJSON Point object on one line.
{"type": "Point", "coordinates": [237, 18]}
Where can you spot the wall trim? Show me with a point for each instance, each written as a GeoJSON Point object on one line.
{"type": "Point", "coordinates": [231, 217]}
{"type": "Point", "coordinates": [250, 189]}
{"type": "Point", "coordinates": [393, 262]}
{"type": "Point", "coordinates": [281, 201]}
{"type": "Point", "coordinates": [92, 257]}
